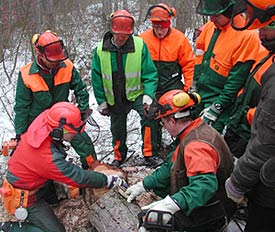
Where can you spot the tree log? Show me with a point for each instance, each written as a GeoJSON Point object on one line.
{"type": "Point", "coordinates": [111, 212]}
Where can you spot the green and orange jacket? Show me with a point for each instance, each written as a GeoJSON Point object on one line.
{"type": "Point", "coordinates": [223, 60]}
{"type": "Point", "coordinates": [37, 91]}
{"type": "Point", "coordinates": [173, 57]}
{"type": "Point", "coordinates": [148, 74]}
{"type": "Point", "coordinates": [201, 161]}
{"type": "Point", "coordinates": [249, 96]}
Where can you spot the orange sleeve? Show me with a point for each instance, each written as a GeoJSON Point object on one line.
{"type": "Point", "coordinates": [186, 60]}
{"type": "Point", "coordinates": [250, 115]}
{"type": "Point", "coordinates": [200, 158]}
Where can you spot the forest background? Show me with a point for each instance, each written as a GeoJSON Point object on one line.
{"type": "Point", "coordinates": [81, 24]}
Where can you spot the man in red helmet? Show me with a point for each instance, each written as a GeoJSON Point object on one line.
{"type": "Point", "coordinates": [191, 181]}
{"type": "Point", "coordinates": [253, 176]}
{"type": "Point", "coordinates": [223, 61]}
{"type": "Point", "coordinates": [47, 80]}
{"type": "Point", "coordinates": [40, 159]}
{"type": "Point", "coordinates": [124, 77]}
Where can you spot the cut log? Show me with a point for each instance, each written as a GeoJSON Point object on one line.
{"type": "Point", "coordinates": [111, 212]}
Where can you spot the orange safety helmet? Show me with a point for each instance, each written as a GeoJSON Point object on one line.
{"type": "Point", "coordinates": [122, 22]}
{"type": "Point", "coordinates": [253, 13]}
{"type": "Point", "coordinates": [65, 115]}
{"type": "Point", "coordinates": [161, 12]}
{"type": "Point", "coordinates": [49, 45]}
{"type": "Point", "coordinates": [177, 102]}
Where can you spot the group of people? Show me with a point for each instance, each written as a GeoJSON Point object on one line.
{"type": "Point", "coordinates": [232, 68]}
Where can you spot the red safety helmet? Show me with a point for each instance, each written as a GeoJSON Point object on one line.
{"type": "Point", "coordinates": [122, 22]}
{"type": "Point", "coordinates": [177, 102]}
{"type": "Point", "coordinates": [49, 45]}
{"type": "Point", "coordinates": [65, 115]}
{"type": "Point", "coordinates": [252, 14]}
{"type": "Point", "coordinates": [161, 12]}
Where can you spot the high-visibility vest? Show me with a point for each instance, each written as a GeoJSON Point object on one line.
{"type": "Point", "coordinates": [133, 86]}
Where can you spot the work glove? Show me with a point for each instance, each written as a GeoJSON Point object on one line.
{"type": "Point", "coordinates": [211, 113]}
{"type": "Point", "coordinates": [114, 180]}
{"type": "Point", "coordinates": [86, 114]}
{"type": "Point", "coordinates": [233, 193]}
{"type": "Point", "coordinates": [146, 101]}
{"type": "Point", "coordinates": [103, 109]}
{"type": "Point", "coordinates": [165, 205]}
{"type": "Point", "coordinates": [134, 191]}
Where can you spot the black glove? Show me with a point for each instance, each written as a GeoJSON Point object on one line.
{"type": "Point", "coordinates": [18, 137]}
{"type": "Point", "coordinates": [86, 113]}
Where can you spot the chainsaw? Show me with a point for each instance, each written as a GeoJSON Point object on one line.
{"type": "Point", "coordinates": [158, 225]}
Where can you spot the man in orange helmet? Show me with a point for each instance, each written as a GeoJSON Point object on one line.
{"type": "Point", "coordinates": [47, 80]}
{"type": "Point", "coordinates": [191, 181]}
{"type": "Point", "coordinates": [223, 60]}
{"type": "Point", "coordinates": [253, 175]}
{"type": "Point", "coordinates": [124, 77]}
{"type": "Point", "coordinates": [40, 159]}
{"type": "Point", "coordinates": [169, 49]}
{"type": "Point", "coordinates": [171, 52]}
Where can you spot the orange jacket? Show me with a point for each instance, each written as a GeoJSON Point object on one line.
{"type": "Point", "coordinates": [174, 49]}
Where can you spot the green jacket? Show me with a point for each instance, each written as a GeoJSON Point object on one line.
{"type": "Point", "coordinates": [37, 91]}
{"type": "Point", "coordinates": [223, 60]}
{"type": "Point", "coordinates": [148, 73]}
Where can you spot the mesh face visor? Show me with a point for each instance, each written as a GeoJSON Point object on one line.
{"type": "Point", "coordinates": [55, 51]}
{"type": "Point", "coordinates": [244, 14]}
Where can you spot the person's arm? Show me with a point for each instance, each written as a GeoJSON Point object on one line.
{"type": "Point", "coordinates": [80, 90]}
{"type": "Point", "coordinates": [96, 79]}
{"type": "Point", "coordinates": [23, 102]}
{"type": "Point", "coordinates": [149, 74]}
{"type": "Point", "coordinates": [201, 166]}
{"type": "Point", "coordinates": [235, 80]}
{"type": "Point", "coordinates": [187, 61]}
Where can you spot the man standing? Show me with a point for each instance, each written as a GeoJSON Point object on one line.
{"type": "Point", "coordinates": [191, 181]}
{"type": "Point", "coordinates": [124, 77]}
{"type": "Point", "coordinates": [256, 165]}
{"type": "Point", "coordinates": [171, 52]}
{"type": "Point", "coordinates": [169, 49]}
{"type": "Point", "coordinates": [46, 81]}
{"type": "Point", "coordinates": [223, 60]}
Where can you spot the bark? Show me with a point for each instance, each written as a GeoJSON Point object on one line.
{"type": "Point", "coordinates": [111, 212]}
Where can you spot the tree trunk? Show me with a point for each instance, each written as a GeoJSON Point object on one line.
{"type": "Point", "coordinates": [111, 212]}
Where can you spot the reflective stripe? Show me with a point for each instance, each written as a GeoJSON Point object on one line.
{"type": "Point", "coordinates": [133, 85]}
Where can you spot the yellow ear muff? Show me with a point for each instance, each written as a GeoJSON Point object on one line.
{"type": "Point", "coordinates": [181, 99]}
{"type": "Point", "coordinates": [195, 97]}
{"type": "Point", "coordinates": [35, 38]}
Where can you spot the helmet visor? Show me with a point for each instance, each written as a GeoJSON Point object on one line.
{"type": "Point", "coordinates": [122, 25]}
{"type": "Point", "coordinates": [55, 51]}
{"type": "Point", "coordinates": [247, 16]}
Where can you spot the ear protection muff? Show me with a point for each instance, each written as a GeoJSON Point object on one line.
{"type": "Point", "coordinates": [57, 133]}
{"type": "Point", "coordinates": [195, 97]}
{"type": "Point", "coordinates": [171, 11]}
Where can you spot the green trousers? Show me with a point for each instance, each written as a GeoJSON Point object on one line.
{"type": "Point", "coordinates": [149, 131]}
